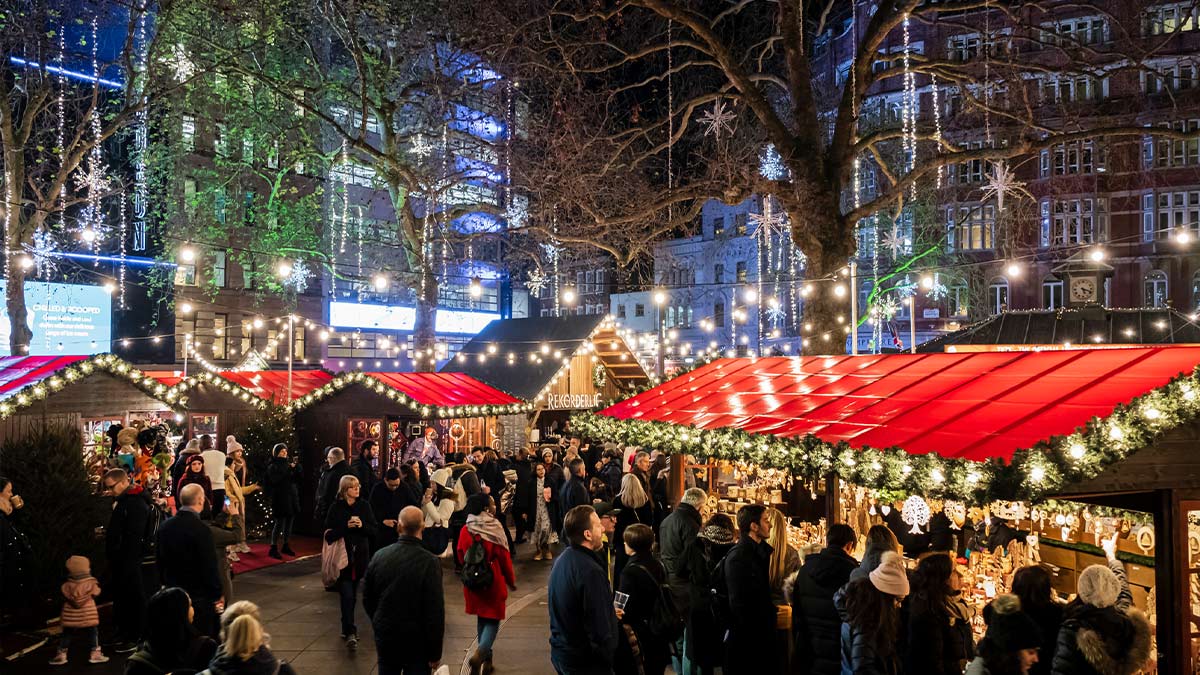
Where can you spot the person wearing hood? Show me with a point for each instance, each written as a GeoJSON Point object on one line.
{"type": "Point", "coordinates": [880, 539]}
{"type": "Point", "coordinates": [487, 604]}
{"type": "Point", "coordinates": [816, 625]}
{"type": "Point", "coordinates": [79, 616]}
{"type": "Point", "coordinates": [331, 477]}
{"type": "Point", "coordinates": [871, 620]}
{"type": "Point", "coordinates": [244, 651]}
{"type": "Point", "coordinates": [181, 460]}
{"type": "Point", "coordinates": [702, 636]}
{"type": "Point", "coordinates": [1010, 646]}
{"type": "Point", "coordinates": [1102, 633]}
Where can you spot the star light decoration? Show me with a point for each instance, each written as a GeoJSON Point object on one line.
{"type": "Point", "coordinates": [897, 243]}
{"type": "Point", "coordinates": [420, 147]}
{"type": "Point", "coordinates": [769, 222]}
{"type": "Point", "coordinates": [776, 314]}
{"type": "Point", "coordinates": [718, 120]}
{"type": "Point", "coordinates": [1001, 182]}
{"type": "Point", "coordinates": [297, 279]}
{"type": "Point", "coordinates": [552, 251]}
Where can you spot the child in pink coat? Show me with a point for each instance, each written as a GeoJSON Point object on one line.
{"type": "Point", "coordinates": [79, 616]}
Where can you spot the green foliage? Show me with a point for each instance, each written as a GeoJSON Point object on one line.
{"type": "Point", "coordinates": [1033, 473]}
{"type": "Point", "coordinates": [61, 510]}
{"type": "Point", "coordinates": [270, 426]}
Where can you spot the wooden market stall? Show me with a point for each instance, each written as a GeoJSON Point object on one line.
{"type": "Point", "coordinates": [93, 393]}
{"type": "Point", "coordinates": [561, 365]}
{"type": "Point", "coordinates": [393, 408]}
{"type": "Point", "coordinates": [222, 403]}
{"type": "Point", "coordinates": [1113, 433]}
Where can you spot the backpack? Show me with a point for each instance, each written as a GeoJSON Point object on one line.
{"type": "Point", "coordinates": [477, 572]}
{"type": "Point", "coordinates": [719, 594]}
{"type": "Point", "coordinates": [665, 621]}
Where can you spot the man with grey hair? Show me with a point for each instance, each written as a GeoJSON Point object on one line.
{"type": "Point", "coordinates": [186, 557]}
{"type": "Point", "coordinates": [675, 537]}
{"type": "Point", "coordinates": [332, 471]}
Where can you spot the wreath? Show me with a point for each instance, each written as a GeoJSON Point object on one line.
{"type": "Point", "coordinates": [599, 375]}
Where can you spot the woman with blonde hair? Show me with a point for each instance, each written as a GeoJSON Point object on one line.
{"type": "Point", "coordinates": [635, 507]}
{"type": "Point", "coordinates": [785, 559]}
{"type": "Point", "coordinates": [245, 650]}
{"type": "Point", "coordinates": [351, 520]}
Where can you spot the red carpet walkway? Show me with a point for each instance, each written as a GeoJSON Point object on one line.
{"type": "Point", "coordinates": [257, 558]}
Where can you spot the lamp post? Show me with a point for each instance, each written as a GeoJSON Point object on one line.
{"type": "Point", "coordinates": [853, 308]}
{"type": "Point", "coordinates": [660, 299]}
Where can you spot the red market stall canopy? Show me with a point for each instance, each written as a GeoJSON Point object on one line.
{"type": "Point", "coordinates": [265, 385]}
{"type": "Point", "coordinates": [929, 415]}
{"type": "Point", "coordinates": [26, 379]}
{"type": "Point", "coordinates": [429, 394]}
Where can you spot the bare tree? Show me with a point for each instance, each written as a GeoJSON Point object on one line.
{"type": "Point", "coordinates": [708, 85]}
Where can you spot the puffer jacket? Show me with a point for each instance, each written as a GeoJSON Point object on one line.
{"type": "Point", "coordinates": [262, 662]}
{"type": "Point", "coordinates": [815, 622]}
{"type": "Point", "coordinates": [1102, 640]}
{"type": "Point", "coordinates": [79, 610]}
{"type": "Point", "coordinates": [860, 654]}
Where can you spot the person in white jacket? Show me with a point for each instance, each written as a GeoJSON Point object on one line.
{"type": "Point", "coordinates": [438, 505]}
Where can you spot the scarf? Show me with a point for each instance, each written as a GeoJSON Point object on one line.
{"type": "Point", "coordinates": [486, 526]}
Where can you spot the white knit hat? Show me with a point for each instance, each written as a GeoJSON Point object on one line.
{"type": "Point", "coordinates": [1098, 586]}
{"type": "Point", "coordinates": [890, 576]}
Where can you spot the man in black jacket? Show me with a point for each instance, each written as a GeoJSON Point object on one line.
{"type": "Point", "coordinates": [583, 624]}
{"type": "Point", "coordinates": [327, 486]}
{"type": "Point", "coordinates": [521, 517]}
{"type": "Point", "coordinates": [387, 500]}
{"type": "Point", "coordinates": [574, 492]}
{"type": "Point", "coordinates": [363, 468]}
{"type": "Point", "coordinates": [125, 545]}
{"type": "Point", "coordinates": [815, 621]}
{"type": "Point", "coordinates": [402, 593]}
{"type": "Point", "coordinates": [187, 558]}
{"type": "Point", "coordinates": [675, 536]}
{"type": "Point", "coordinates": [748, 647]}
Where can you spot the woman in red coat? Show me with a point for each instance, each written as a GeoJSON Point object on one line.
{"type": "Point", "coordinates": [488, 603]}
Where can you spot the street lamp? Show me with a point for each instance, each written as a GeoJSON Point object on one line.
{"type": "Point", "coordinates": [660, 299]}
{"type": "Point", "coordinates": [569, 296]}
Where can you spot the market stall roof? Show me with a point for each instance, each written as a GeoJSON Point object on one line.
{"type": "Point", "coordinates": [267, 385]}
{"type": "Point", "coordinates": [428, 394]}
{"type": "Point", "coordinates": [1092, 326]}
{"type": "Point", "coordinates": [25, 379]}
{"type": "Point", "coordinates": [974, 406]}
{"type": "Point", "coordinates": [486, 356]}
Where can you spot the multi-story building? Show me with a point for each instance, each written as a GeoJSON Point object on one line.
{"type": "Point", "coordinates": [583, 285]}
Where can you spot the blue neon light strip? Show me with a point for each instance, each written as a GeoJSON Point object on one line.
{"type": "Point", "coordinates": [128, 260]}
{"type": "Point", "coordinates": [58, 70]}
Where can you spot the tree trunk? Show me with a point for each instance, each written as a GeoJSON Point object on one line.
{"type": "Point", "coordinates": [424, 335]}
{"type": "Point", "coordinates": [19, 335]}
{"type": "Point", "coordinates": [827, 245]}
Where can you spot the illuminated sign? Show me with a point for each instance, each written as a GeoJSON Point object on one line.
{"type": "Point", "coordinates": [401, 318]}
{"type": "Point", "coordinates": [572, 401]}
{"type": "Point", "coordinates": [64, 318]}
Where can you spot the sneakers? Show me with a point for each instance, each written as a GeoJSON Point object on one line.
{"type": "Point", "coordinates": [233, 557]}
{"type": "Point", "coordinates": [274, 553]}
{"type": "Point", "coordinates": [352, 641]}
{"type": "Point", "coordinates": [97, 656]}
{"type": "Point", "coordinates": [537, 556]}
{"type": "Point", "coordinates": [60, 658]}
{"type": "Point", "coordinates": [287, 550]}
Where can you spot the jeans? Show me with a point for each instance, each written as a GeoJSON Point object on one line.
{"type": "Point", "coordinates": [90, 636]}
{"type": "Point", "coordinates": [282, 528]}
{"type": "Point", "coordinates": [347, 591]}
{"type": "Point", "coordinates": [485, 632]}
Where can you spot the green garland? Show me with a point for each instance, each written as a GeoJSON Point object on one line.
{"type": "Point", "coordinates": [1033, 473]}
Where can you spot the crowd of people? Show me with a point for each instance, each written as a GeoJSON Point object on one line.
{"type": "Point", "coordinates": [637, 584]}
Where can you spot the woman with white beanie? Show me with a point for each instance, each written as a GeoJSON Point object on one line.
{"type": "Point", "coordinates": [870, 611]}
{"type": "Point", "coordinates": [1102, 633]}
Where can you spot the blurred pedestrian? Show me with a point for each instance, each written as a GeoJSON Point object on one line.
{"type": "Point", "coordinates": [350, 520]}
{"type": "Point", "coordinates": [1033, 586]}
{"type": "Point", "coordinates": [186, 557]}
{"type": "Point", "coordinates": [171, 643]}
{"type": "Point", "coordinates": [583, 622]}
{"type": "Point", "coordinates": [79, 619]}
{"type": "Point", "coordinates": [1010, 646]}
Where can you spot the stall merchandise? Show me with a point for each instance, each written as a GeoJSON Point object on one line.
{"type": "Point", "coordinates": [956, 433]}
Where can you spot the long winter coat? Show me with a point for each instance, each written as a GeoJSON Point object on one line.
{"type": "Point", "coordinates": [327, 487]}
{"type": "Point", "coordinates": [402, 594]}
{"type": "Point", "coordinates": [936, 644]}
{"type": "Point", "coordinates": [641, 580]}
{"type": "Point", "coordinates": [703, 636]}
{"type": "Point", "coordinates": [815, 622]}
{"type": "Point", "coordinates": [281, 485]}
{"type": "Point", "coordinates": [627, 517]}
{"type": "Point", "coordinates": [676, 533]}
{"type": "Point", "coordinates": [860, 654]}
{"type": "Point", "coordinates": [490, 602]}
{"type": "Point", "coordinates": [358, 539]}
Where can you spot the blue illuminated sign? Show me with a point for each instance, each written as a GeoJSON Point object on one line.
{"type": "Point", "coordinates": [402, 318]}
{"type": "Point", "coordinates": [64, 318]}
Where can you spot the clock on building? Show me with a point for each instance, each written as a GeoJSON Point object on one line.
{"type": "Point", "coordinates": [1083, 289]}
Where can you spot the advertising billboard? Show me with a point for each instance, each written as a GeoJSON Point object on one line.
{"type": "Point", "coordinates": [402, 318]}
{"type": "Point", "coordinates": [64, 318]}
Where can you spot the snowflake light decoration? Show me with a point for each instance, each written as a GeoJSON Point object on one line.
{"type": "Point", "coordinates": [42, 252]}
{"type": "Point", "coordinates": [776, 314]}
{"type": "Point", "coordinates": [769, 222]}
{"type": "Point", "coordinates": [297, 280]}
{"type": "Point", "coordinates": [420, 147]}
{"type": "Point", "coordinates": [552, 251]}
{"type": "Point", "coordinates": [938, 290]}
{"type": "Point", "coordinates": [770, 165]}
{"type": "Point", "coordinates": [517, 213]}
{"type": "Point", "coordinates": [536, 281]}
{"type": "Point", "coordinates": [718, 120]}
{"type": "Point", "coordinates": [1001, 182]}
{"type": "Point", "coordinates": [907, 289]}
{"type": "Point", "coordinates": [885, 308]}
{"type": "Point", "coordinates": [895, 242]}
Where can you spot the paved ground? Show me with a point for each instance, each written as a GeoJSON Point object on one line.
{"type": "Point", "coordinates": [303, 622]}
